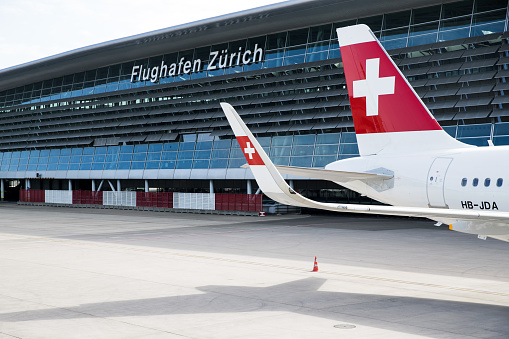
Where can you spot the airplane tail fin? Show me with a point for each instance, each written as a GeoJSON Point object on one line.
{"type": "Point", "coordinates": [388, 114]}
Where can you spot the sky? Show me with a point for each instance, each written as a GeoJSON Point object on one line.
{"type": "Point", "coordinates": [34, 29]}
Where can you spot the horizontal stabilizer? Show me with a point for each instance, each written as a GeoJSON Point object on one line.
{"type": "Point", "coordinates": [323, 174]}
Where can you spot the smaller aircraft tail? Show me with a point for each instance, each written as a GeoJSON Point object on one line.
{"type": "Point", "coordinates": [389, 116]}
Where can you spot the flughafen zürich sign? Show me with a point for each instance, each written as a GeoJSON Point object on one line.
{"type": "Point", "coordinates": [218, 60]}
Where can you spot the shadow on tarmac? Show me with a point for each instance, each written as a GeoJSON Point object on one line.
{"type": "Point", "coordinates": [420, 316]}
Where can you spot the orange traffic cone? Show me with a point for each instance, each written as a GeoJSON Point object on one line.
{"type": "Point", "coordinates": [315, 266]}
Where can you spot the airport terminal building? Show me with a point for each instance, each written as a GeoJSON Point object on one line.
{"type": "Point", "coordinates": [142, 113]}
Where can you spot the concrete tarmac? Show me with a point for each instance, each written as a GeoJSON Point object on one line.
{"type": "Point", "coordinates": [86, 273]}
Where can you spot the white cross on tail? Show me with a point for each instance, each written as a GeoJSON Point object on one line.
{"type": "Point", "coordinates": [249, 150]}
{"type": "Point", "coordinates": [373, 86]}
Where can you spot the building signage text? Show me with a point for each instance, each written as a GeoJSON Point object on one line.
{"type": "Point", "coordinates": [218, 60]}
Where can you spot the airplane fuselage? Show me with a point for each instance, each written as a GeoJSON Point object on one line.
{"type": "Point", "coordinates": [444, 179]}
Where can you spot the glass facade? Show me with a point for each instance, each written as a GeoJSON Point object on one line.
{"type": "Point", "coordinates": [194, 152]}
{"type": "Point", "coordinates": [395, 30]}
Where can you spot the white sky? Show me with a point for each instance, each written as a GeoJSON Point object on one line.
{"type": "Point", "coordinates": [34, 29]}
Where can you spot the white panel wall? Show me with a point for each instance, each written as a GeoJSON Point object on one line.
{"type": "Point", "coordinates": [58, 196]}
{"type": "Point", "coordinates": [197, 201]}
{"type": "Point", "coordinates": [122, 198]}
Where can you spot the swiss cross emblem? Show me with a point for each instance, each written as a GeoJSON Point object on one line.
{"type": "Point", "coordinates": [247, 147]}
{"type": "Point", "coordinates": [373, 86]}
{"type": "Point", "coordinates": [249, 151]}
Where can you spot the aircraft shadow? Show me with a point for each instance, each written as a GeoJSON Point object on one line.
{"type": "Point", "coordinates": [403, 314]}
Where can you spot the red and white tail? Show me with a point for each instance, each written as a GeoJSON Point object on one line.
{"type": "Point", "coordinates": [388, 115]}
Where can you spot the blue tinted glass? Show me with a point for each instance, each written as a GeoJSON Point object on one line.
{"type": "Point", "coordinates": [85, 166]}
{"type": "Point", "coordinates": [455, 34]}
{"type": "Point", "coordinates": [282, 141]}
{"type": "Point", "coordinates": [140, 148]}
{"type": "Point", "coordinates": [202, 154]}
{"type": "Point", "coordinates": [54, 152]}
{"type": "Point", "coordinates": [100, 150]}
{"type": "Point", "coordinates": [294, 60]}
{"type": "Point", "coordinates": [204, 145]}
{"type": "Point", "coordinates": [139, 165]}
{"type": "Point", "coordinates": [172, 146]}
{"type": "Point", "coordinates": [317, 56]}
{"type": "Point", "coordinates": [74, 167]}
{"type": "Point", "coordinates": [488, 28]}
{"type": "Point", "coordinates": [88, 151]}
{"type": "Point", "coordinates": [153, 156]}
{"type": "Point", "coordinates": [236, 153]}
{"type": "Point", "coordinates": [236, 163]}
{"type": "Point", "coordinates": [186, 146]}
{"type": "Point", "coordinates": [124, 165]}
{"type": "Point", "coordinates": [330, 138]}
{"type": "Point", "coordinates": [185, 155]}
{"type": "Point", "coordinates": [16, 155]}
{"type": "Point", "coordinates": [169, 156]}
{"type": "Point", "coordinates": [62, 167]}
{"type": "Point", "coordinates": [126, 149]}
{"type": "Point", "coordinates": [110, 166]}
{"type": "Point", "coordinates": [113, 149]}
{"type": "Point", "coordinates": [348, 137]}
{"type": "Point", "coordinates": [44, 153]}
{"type": "Point", "coordinates": [23, 161]}
{"type": "Point", "coordinates": [264, 141]}
{"type": "Point", "coordinates": [22, 167]}
{"type": "Point", "coordinates": [224, 143]}
{"type": "Point", "coordinates": [220, 153]}
{"type": "Point", "coordinates": [273, 63]}
{"type": "Point", "coordinates": [301, 161]}
{"type": "Point", "coordinates": [451, 130]}
{"type": "Point", "coordinates": [155, 147]}
{"type": "Point", "coordinates": [474, 130]}
{"type": "Point", "coordinates": [422, 39]}
{"type": "Point", "coordinates": [77, 151]}
{"type": "Point", "coordinates": [42, 160]}
{"type": "Point", "coordinates": [24, 154]}
{"type": "Point", "coordinates": [99, 158]}
{"type": "Point", "coordinates": [280, 161]}
{"type": "Point", "coordinates": [308, 139]}
{"type": "Point", "coordinates": [41, 167]}
{"type": "Point", "coordinates": [218, 163]}
{"type": "Point", "coordinates": [393, 44]}
{"type": "Point", "coordinates": [302, 150]}
{"type": "Point", "coordinates": [97, 166]}
{"type": "Point", "coordinates": [167, 164]}
{"type": "Point", "coordinates": [201, 164]}
{"type": "Point", "coordinates": [75, 159]}
{"type": "Point", "coordinates": [152, 165]}
{"type": "Point", "coordinates": [111, 158]}
{"type": "Point", "coordinates": [32, 154]}
{"type": "Point", "coordinates": [318, 47]}
{"type": "Point", "coordinates": [348, 149]}
{"type": "Point", "coordinates": [85, 159]}
{"type": "Point", "coordinates": [184, 164]}
{"type": "Point", "coordinates": [65, 151]}
{"type": "Point", "coordinates": [295, 51]}
{"type": "Point", "coordinates": [499, 141]}
{"type": "Point", "coordinates": [125, 157]}
{"type": "Point", "coordinates": [53, 160]}
{"type": "Point", "coordinates": [139, 156]}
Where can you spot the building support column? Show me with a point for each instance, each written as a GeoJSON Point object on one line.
{"type": "Point", "coordinates": [2, 189]}
{"type": "Point", "coordinates": [70, 185]}
{"type": "Point", "coordinates": [249, 190]}
{"type": "Point", "coordinates": [146, 186]}
{"type": "Point", "coordinates": [93, 185]}
{"type": "Point", "coordinates": [290, 183]}
{"type": "Point", "coordinates": [211, 187]}
{"type": "Point", "coordinates": [119, 188]}
{"type": "Point", "coordinates": [27, 184]}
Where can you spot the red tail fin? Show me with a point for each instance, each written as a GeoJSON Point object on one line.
{"type": "Point", "coordinates": [386, 111]}
{"type": "Point", "coordinates": [381, 98]}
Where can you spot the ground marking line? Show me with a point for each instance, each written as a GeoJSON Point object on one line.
{"type": "Point", "coordinates": [254, 263]}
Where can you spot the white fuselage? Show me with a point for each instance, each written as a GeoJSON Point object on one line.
{"type": "Point", "coordinates": [434, 179]}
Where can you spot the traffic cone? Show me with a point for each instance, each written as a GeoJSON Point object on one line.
{"type": "Point", "coordinates": [315, 266]}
